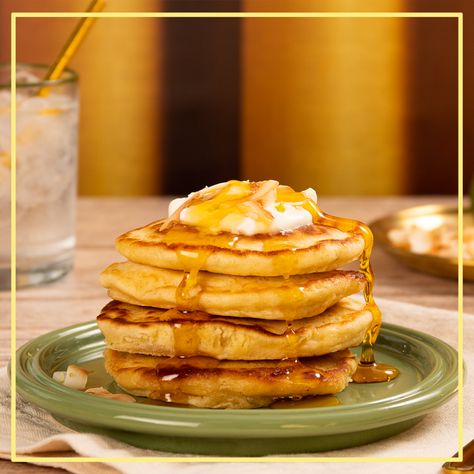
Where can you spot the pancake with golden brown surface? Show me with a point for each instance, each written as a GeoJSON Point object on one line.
{"type": "Point", "coordinates": [146, 330]}
{"type": "Point", "coordinates": [296, 297]}
{"type": "Point", "coordinates": [209, 383]}
{"type": "Point", "coordinates": [244, 228]}
{"type": "Point", "coordinates": [313, 248]}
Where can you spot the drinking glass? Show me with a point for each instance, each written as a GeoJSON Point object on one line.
{"type": "Point", "coordinates": [46, 159]}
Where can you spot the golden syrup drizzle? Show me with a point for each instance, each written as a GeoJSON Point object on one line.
{"type": "Point", "coordinates": [227, 205]}
{"type": "Point", "coordinates": [187, 292]}
{"type": "Point", "coordinates": [294, 292]}
{"type": "Point", "coordinates": [177, 235]}
{"type": "Point", "coordinates": [209, 208]}
{"type": "Point", "coordinates": [292, 340]}
{"type": "Point", "coordinates": [287, 261]}
{"type": "Point", "coordinates": [186, 339]}
{"type": "Point", "coordinates": [170, 370]}
{"type": "Point", "coordinates": [368, 369]}
{"type": "Point", "coordinates": [173, 368]}
{"type": "Point", "coordinates": [307, 402]}
{"type": "Point", "coordinates": [232, 199]}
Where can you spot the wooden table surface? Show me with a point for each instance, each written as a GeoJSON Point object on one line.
{"type": "Point", "coordinates": [78, 297]}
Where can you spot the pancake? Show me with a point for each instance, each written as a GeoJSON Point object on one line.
{"type": "Point", "coordinates": [209, 383]}
{"type": "Point", "coordinates": [172, 333]}
{"type": "Point", "coordinates": [309, 249]}
{"type": "Point", "coordinates": [257, 297]}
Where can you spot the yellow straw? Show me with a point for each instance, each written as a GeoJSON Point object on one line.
{"type": "Point", "coordinates": [73, 42]}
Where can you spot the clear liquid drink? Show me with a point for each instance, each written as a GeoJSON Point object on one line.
{"type": "Point", "coordinates": [46, 154]}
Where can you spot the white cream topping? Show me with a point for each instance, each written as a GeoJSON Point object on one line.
{"type": "Point", "coordinates": [285, 216]}
{"type": "Point", "coordinates": [291, 218]}
{"type": "Point", "coordinates": [175, 204]}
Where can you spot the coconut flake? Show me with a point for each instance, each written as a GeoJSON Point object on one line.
{"type": "Point", "coordinates": [104, 393]}
{"type": "Point", "coordinates": [76, 377]}
{"type": "Point", "coordinates": [59, 376]}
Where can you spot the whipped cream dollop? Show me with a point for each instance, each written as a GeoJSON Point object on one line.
{"type": "Point", "coordinates": [245, 207]}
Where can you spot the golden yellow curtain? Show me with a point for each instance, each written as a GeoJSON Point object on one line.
{"type": "Point", "coordinates": [120, 118]}
{"type": "Point", "coordinates": [323, 99]}
{"type": "Point", "coordinates": [119, 69]}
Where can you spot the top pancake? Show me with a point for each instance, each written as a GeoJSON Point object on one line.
{"type": "Point", "coordinates": [308, 249]}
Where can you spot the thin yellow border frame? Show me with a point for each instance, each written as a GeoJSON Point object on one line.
{"type": "Point", "coordinates": [15, 15]}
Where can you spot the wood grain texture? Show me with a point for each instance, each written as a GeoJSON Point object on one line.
{"type": "Point", "coordinates": [8, 467]}
{"type": "Point", "coordinates": [78, 297]}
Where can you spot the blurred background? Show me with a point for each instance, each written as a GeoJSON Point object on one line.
{"type": "Point", "coordinates": [348, 106]}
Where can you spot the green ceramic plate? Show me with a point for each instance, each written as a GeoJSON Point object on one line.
{"type": "Point", "coordinates": [367, 412]}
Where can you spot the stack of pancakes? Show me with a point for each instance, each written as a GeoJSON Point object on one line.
{"type": "Point", "coordinates": [197, 321]}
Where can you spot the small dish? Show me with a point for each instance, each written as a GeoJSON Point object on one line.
{"type": "Point", "coordinates": [429, 216]}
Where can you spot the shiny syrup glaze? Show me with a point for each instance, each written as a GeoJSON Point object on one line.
{"type": "Point", "coordinates": [185, 366]}
{"type": "Point", "coordinates": [174, 368]}
{"type": "Point", "coordinates": [368, 370]}
{"type": "Point", "coordinates": [187, 340]}
{"type": "Point", "coordinates": [214, 206]}
{"type": "Point", "coordinates": [299, 369]}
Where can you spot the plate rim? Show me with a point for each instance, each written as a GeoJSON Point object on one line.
{"type": "Point", "coordinates": [186, 422]}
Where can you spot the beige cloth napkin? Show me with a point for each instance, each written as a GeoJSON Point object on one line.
{"type": "Point", "coordinates": [435, 436]}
